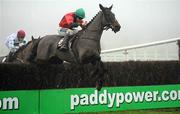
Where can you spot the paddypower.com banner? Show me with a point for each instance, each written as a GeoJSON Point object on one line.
{"type": "Point", "coordinates": [89, 99]}
{"type": "Point", "coordinates": [123, 98]}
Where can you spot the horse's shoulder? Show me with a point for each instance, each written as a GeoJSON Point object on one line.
{"type": "Point", "coordinates": [50, 39]}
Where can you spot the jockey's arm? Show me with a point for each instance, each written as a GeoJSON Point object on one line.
{"type": "Point", "coordinates": [73, 25]}
{"type": "Point", "coordinates": [82, 26]}
{"type": "Point", "coordinates": [10, 44]}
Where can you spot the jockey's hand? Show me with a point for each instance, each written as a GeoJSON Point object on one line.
{"type": "Point", "coordinates": [21, 44]}
{"type": "Point", "coordinates": [83, 24]}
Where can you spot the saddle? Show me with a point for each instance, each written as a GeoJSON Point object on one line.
{"type": "Point", "coordinates": [70, 43]}
{"type": "Point", "coordinates": [72, 38]}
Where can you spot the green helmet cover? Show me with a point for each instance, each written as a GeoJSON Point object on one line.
{"type": "Point", "coordinates": [80, 13]}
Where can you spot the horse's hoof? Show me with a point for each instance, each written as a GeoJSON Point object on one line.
{"type": "Point", "coordinates": [99, 85]}
{"type": "Point", "coordinates": [98, 88]}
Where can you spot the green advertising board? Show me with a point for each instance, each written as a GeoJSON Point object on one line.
{"type": "Point", "coordinates": [59, 101]}
{"type": "Point", "coordinates": [19, 102]}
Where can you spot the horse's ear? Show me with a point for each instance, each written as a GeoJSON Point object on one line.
{"type": "Point", "coordinates": [39, 37]}
{"type": "Point", "coordinates": [101, 7]}
{"type": "Point", "coordinates": [32, 37]}
{"type": "Point", "coordinates": [111, 7]}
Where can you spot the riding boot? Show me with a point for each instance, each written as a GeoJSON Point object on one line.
{"type": "Point", "coordinates": [64, 45]}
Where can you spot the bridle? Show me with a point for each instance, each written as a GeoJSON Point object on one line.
{"type": "Point", "coordinates": [108, 25]}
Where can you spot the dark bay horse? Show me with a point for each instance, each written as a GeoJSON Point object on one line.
{"type": "Point", "coordinates": [26, 53]}
{"type": "Point", "coordinates": [86, 45]}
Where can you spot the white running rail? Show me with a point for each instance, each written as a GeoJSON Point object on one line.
{"type": "Point", "coordinates": [163, 50]}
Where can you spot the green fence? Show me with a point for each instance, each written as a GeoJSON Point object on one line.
{"type": "Point", "coordinates": [58, 101]}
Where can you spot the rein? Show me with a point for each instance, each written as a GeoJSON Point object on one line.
{"type": "Point", "coordinates": [89, 39]}
{"type": "Point", "coordinates": [104, 28]}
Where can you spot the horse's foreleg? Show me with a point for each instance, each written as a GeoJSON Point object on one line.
{"type": "Point", "coordinates": [99, 74]}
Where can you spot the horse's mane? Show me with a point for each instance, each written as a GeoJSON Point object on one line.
{"type": "Point", "coordinates": [91, 21]}
{"type": "Point", "coordinates": [79, 32]}
{"type": "Point", "coordinates": [34, 50]}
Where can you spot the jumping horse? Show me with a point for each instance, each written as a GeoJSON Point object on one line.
{"type": "Point", "coordinates": [85, 47]}
{"type": "Point", "coordinates": [24, 54]}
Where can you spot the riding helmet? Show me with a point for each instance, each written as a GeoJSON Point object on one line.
{"type": "Point", "coordinates": [80, 13]}
{"type": "Point", "coordinates": [21, 34]}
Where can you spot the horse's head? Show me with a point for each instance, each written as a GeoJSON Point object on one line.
{"type": "Point", "coordinates": [109, 20]}
{"type": "Point", "coordinates": [24, 53]}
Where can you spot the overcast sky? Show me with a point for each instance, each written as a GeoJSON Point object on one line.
{"type": "Point", "coordinates": [142, 21]}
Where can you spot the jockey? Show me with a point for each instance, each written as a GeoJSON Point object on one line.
{"type": "Point", "coordinates": [15, 41]}
{"type": "Point", "coordinates": [67, 25]}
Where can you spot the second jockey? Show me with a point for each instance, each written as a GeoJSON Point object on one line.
{"type": "Point", "coordinates": [15, 41]}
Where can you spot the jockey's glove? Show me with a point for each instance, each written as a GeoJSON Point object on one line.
{"type": "Point", "coordinates": [21, 44]}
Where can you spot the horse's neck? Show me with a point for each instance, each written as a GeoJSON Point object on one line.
{"type": "Point", "coordinates": [22, 54]}
{"type": "Point", "coordinates": [94, 29]}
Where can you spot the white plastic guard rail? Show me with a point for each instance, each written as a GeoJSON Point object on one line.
{"type": "Point", "coordinates": [140, 45]}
